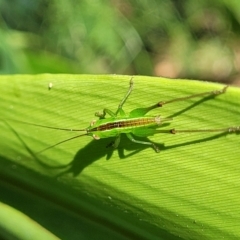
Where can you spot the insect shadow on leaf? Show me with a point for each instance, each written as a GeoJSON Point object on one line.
{"type": "Point", "coordinates": [137, 126]}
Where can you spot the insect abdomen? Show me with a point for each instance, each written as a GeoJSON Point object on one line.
{"type": "Point", "coordinates": [123, 126]}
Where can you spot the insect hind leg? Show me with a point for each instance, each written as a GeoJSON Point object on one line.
{"type": "Point", "coordinates": [143, 142]}
{"type": "Point", "coordinates": [143, 111]}
{"type": "Point", "coordinates": [211, 93]}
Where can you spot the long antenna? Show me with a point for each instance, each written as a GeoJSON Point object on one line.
{"type": "Point", "coordinates": [43, 126]}
{"type": "Point", "coordinates": [43, 150]}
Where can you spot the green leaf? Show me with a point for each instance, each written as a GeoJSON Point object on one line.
{"type": "Point", "coordinates": [188, 190]}
{"type": "Point", "coordinates": [26, 228]}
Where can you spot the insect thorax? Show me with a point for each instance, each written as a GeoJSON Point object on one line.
{"type": "Point", "coordinates": [114, 127]}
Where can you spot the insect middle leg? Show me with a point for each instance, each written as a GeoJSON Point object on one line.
{"type": "Point", "coordinates": [115, 143]}
{"type": "Point", "coordinates": [125, 97]}
{"type": "Point", "coordinates": [111, 113]}
{"type": "Point", "coordinates": [142, 142]}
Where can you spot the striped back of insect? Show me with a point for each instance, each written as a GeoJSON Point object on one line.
{"type": "Point", "coordinates": [112, 127]}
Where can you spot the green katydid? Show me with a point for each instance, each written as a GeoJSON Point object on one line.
{"type": "Point", "coordinates": [135, 123]}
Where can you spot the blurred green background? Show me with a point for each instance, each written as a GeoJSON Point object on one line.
{"type": "Point", "coordinates": [170, 38]}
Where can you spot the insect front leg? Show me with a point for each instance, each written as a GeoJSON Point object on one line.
{"type": "Point", "coordinates": [103, 114]}
{"type": "Point", "coordinates": [142, 142]}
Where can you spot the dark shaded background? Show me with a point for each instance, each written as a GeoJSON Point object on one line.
{"type": "Point", "coordinates": [178, 39]}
